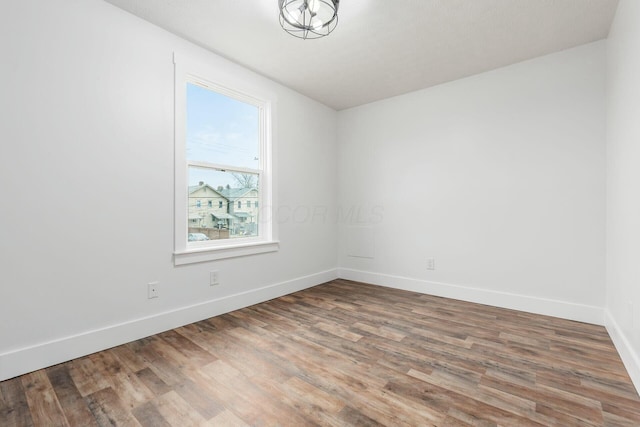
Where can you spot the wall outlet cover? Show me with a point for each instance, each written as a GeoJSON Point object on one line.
{"type": "Point", "coordinates": [152, 290]}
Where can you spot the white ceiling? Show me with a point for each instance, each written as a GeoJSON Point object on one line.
{"type": "Point", "coordinates": [382, 48]}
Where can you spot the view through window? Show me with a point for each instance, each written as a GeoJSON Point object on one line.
{"type": "Point", "coordinates": [223, 152]}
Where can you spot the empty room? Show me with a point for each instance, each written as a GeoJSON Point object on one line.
{"type": "Point", "coordinates": [320, 213]}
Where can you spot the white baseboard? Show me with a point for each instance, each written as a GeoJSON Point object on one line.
{"type": "Point", "coordinates": [60, 350]}
{"type": "Point", "coordinates": [548, 307]}
{"type": "Point", "coordinates": [628, 355]}
{"type": "Point", "coordinates": [49, 353]}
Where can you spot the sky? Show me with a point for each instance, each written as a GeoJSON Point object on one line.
{"type": "Point", "coordinates": [220, 130]}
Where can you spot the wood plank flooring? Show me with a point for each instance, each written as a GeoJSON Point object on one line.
{"type": "Point", "coordinates": [341, 354]}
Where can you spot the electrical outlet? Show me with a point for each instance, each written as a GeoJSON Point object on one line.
{"type": "Point", "coordinates": [152, 290]}
{"type": "Point", "coordinates": [431, 263]}
{"type": "Point", "coordinates": [214, 279]}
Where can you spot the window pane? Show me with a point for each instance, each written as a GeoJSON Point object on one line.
{"type": "Point", "coordinates": [231, 207]}
{"type": "Point", "coordinates": [221, 129]}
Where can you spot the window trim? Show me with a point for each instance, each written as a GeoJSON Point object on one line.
{"type": "Point", "coordinates": [227, 82]}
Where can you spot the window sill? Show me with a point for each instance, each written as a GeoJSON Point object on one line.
{"type": "Point", "coordinates": [192, 256]}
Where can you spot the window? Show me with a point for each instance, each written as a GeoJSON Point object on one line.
{"type": "Point", "coordinates": [222, 149]}
{"type": "Point", "coordinates": [248, 204]}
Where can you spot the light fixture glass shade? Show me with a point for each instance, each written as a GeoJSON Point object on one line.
{"type": "Point", "coordinates": [309, 19]}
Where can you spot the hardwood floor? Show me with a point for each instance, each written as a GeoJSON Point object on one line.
{"type": "Point", "coordinates": [341, 354]}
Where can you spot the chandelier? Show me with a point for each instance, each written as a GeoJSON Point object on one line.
{"type": "Point", "coordinates": [309, 19]}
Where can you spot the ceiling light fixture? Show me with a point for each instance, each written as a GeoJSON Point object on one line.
{"type": "Point", "coordinates": [309, 19]}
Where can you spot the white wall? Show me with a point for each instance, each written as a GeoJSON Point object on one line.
{"type": "Point", "coordinates": [86, 178]}
{"type": "Point", "coordinates": [499, 176]}
{"type": "Point", "coordinates": [623, 185]}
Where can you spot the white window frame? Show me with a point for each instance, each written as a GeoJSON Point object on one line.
{"type": "Point", "coordinates": [189, 70]}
